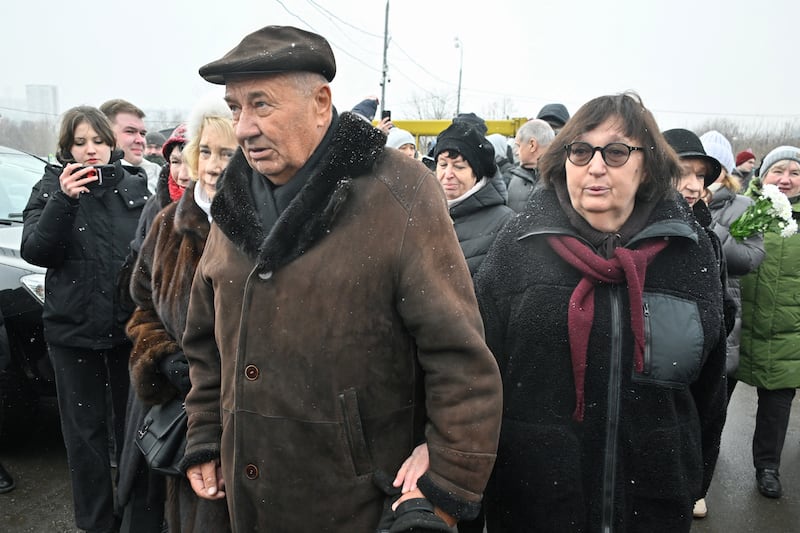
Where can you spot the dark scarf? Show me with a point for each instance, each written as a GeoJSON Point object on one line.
{"type": "Point", "coordinates": [271, 200]}
{"type": "Point", "coordinates": [353, 152]}
{"type": "Point", "coordinates": [626, 265]}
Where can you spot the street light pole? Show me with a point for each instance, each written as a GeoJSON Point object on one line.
{"type": "Point", "coordinates": [385, 68]}
{"type": "Point", "coordinates": [460, 46]}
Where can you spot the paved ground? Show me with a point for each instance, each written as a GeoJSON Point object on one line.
{"type": "Point", "coordinates": [42, 502]}
{"type": "Point", "coordinates": [734, 504]}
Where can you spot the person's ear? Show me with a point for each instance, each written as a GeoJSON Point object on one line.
{"type": "Point", "coordinates": [323, 102]}
{"type": "Point", "coordinates": [534, 145]}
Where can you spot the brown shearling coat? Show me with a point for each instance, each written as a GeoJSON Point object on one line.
{"type": "Point", "coordinates": [328, 348]}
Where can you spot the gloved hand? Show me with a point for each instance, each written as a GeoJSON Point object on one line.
{"type": "Point", "coordinates": [412, 516]}
{"type": "Point", "coordinates": [176, 368]}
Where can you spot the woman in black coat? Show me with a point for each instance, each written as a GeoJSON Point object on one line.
{"type": "Point", "coordinates": [475, 190]}
{"type": "Point", "coordinates": [602, 303]}
{"type": "Point", "coordinates": [79, 223]}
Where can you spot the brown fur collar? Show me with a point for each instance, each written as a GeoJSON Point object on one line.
{"type": "Point", "coordinates": [183, 230]}
{"type": "Point", "coordinates": [354, 149]}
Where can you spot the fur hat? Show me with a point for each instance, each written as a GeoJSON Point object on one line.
{"type": "Point", "coordinates": [554, 114]}
{"type": "Point", "coordinates": [273, 49]}
{"type": "Point", "coordinates": [465, 139]}
{"type": "Point", "coordinates": [398, 138]}
{"type": "Point", "coordinates": [473, 120]}
{"type": "Point", "coordinates": [718, 147]}
{"type": "Point", "coordinates": [210, 105]}
{"type": "Point", "coordinates": [744, 155]}
{"type": "Point", "coordinates": [781, 153]}
{"type": "Point", "coordinates": [687, 144]}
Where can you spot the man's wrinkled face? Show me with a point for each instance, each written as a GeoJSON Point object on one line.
{"type": "Point", "coordinates": [277, 122]}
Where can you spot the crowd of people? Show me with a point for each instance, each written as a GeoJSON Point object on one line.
{"type": "Point", "coordinates": [536, 335]}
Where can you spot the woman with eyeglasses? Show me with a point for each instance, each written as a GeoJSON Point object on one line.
{"type": "Point", "coordinates": [602, 303]}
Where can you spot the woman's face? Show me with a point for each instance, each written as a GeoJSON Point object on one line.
{"type": "Point", "coordinates": [215, 151]}
{"type": "Point", "coordinates": [408, 149]}
{"type": "Point", "coordinates": [455, 175]}
{"type": "Point", "coordinates": [178, 169]}
{"type": "Point", "coordinates": [786, 176]}
{"type": "Point", "coordinates": [692, 182]}
{"type": "Point", "coordinates": [603, 195]}
{"type": "Point", "coordinates": [88, 148]}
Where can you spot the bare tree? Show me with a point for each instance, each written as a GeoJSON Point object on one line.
{"type": "Point", "coordinates": [500, 110]}
{"type": "Point", "coordinates": [36, 137]}
{"type": "Point", "coordinates": [431, 106]}
{"type": "Point", "coordinates": [758, 139]}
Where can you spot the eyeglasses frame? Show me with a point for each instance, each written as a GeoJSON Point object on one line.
{"type": "Point", "coordinates": [602, 150]}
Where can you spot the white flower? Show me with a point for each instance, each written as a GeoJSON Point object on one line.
{"type": "Point", "coordinates": [780, 204]}
{"type": "Point", "coordinates": [771, 191]}
{"type": "Point", "coordinates": [790, 229]}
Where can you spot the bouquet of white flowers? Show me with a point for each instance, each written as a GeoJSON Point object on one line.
{"type": "Point", "coordinates": [770, 212]}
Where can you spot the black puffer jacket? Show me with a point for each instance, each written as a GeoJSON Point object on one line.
{"type": "Point", "coordinates": [83, 243]}
{"type": "Point", "coordinates": [520, 186]}
{"type": "Point", "coordinates": [478, 219]}
{"type": "Point", "coordinates": [647, 446]}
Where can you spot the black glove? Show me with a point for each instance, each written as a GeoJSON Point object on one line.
{"type": "Point", "coordinates": [412, 516]}
{"type": "Point", "coordinates": [416, 515]}
{"type": "Point", "coordinates": [176, 368]}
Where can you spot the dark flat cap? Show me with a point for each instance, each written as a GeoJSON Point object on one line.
{"type": "Point", "coordinates": [274, 49]}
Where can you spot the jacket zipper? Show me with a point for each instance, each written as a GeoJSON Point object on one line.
{"type": "Point", "coordinates": [647, 353]}
{"type": "Point", "coordinates": [612, 422]}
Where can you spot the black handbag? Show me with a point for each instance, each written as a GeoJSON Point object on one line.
{"type": "Point", "coordinates": [162, 437]}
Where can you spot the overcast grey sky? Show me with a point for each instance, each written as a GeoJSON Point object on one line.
{"type": "Point", "coordinates": [690, 60]}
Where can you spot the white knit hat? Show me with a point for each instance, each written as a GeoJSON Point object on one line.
{"type": "Point", "coordinates": [398, 138]}
{"type": "Point", "coordinates": [717, 146]}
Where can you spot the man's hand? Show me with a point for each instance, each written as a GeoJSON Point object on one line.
{"type": "Point", "coordinates": [412, 468]}
{"type": "Point", "coordinates": [416, 493]}
{"type": "Point", "coordinates": [206, 480]}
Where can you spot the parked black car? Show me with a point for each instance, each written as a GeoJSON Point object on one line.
{"type": "Point", "coordinates": [29, 376]}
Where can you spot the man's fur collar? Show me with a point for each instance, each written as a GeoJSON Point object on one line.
{"type": "Point", "coordinates": [353, 151]}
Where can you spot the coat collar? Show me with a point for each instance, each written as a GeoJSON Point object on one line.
{"type": "Point", "coordinates": [544, 216]}
{"type": "Point", "coordinates": [355, 148]}
{"type": "Point", "coordinates": [189, 217]}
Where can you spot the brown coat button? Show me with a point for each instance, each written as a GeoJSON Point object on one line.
{"type": "Point", "coordinates": [251, 372]}
{"type": "Point", "coordinates": [251, 471]}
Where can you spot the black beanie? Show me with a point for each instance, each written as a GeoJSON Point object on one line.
{"type": "Point", "coordinates": [474, 148]}
{"type": "Point", "coordinates": [473, 120]}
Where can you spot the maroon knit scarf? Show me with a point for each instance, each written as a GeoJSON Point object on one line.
{"type": "Point", "coordinates": [627, 265]}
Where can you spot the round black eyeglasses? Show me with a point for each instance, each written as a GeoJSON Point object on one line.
{"type": "Point", "coordinates": [614, 154]}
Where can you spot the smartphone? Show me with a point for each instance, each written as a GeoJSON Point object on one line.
{"type": "Point", "coordinates": [101, 170]}
{"type": "Point", "coordinates": [386, 114]}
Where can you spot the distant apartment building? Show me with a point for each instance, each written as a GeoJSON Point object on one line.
{"type": "Point", "coordinates": [42, 99]}
{"type": "Point", "coordinates": [40, 102]}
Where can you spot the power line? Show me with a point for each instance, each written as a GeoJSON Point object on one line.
{"type": "Point", "coordinates": [344, 51]}
{"type": "Point", "coordinates": [29, 111]}
{"type": "Point", "coordinates": [331, 14]}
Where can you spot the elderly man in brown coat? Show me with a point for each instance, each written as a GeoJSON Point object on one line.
{"type": "Point", "coordinates": [332, 324]}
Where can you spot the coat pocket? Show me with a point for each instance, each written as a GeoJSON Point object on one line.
{"type": "Point", "coordinates": [674, 341]}
{"type": "Point", "coordinates": [354, 430]}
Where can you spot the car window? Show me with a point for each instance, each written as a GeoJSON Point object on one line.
{"type": "Point", "coordinates": [19, 172]}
